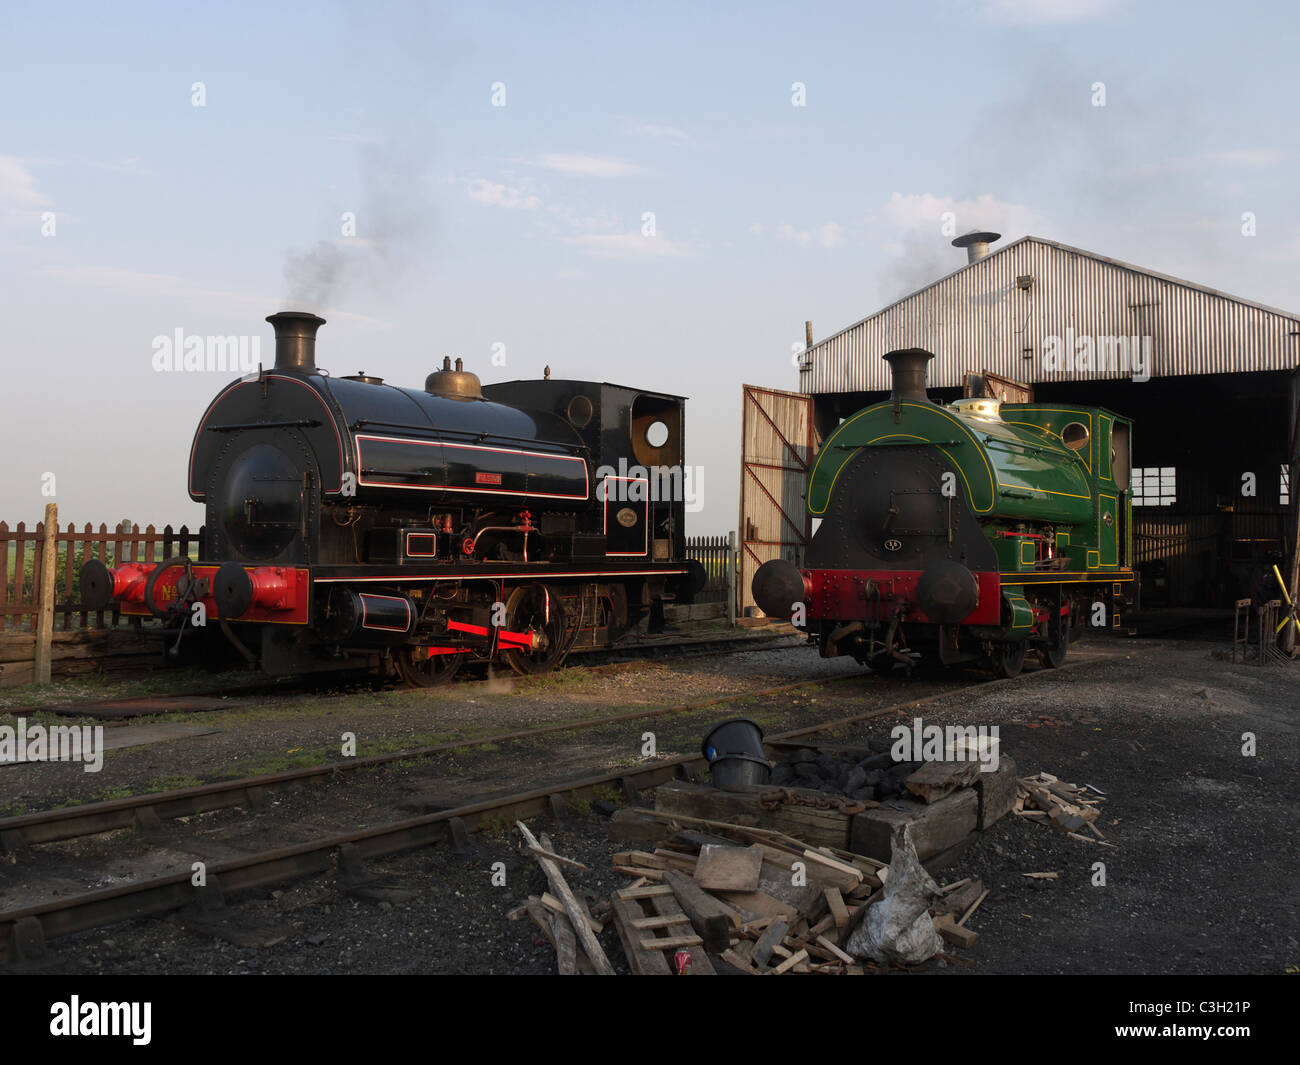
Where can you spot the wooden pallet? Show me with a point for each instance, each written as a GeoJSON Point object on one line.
{"type": "Point", "coordinates": [651, 925]}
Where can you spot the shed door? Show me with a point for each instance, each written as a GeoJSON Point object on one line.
{"type": "Point", "coordinates": [991, 386]}
{"type": "Point", "coordinates": [777, 448]}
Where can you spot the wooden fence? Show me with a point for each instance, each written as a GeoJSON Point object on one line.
{"type": "Point", "coordinates": [20, 567]}
{"type": "Point", "coordinates": [84, 640]}
{"type": "Point", "coordinates": [717, 555]}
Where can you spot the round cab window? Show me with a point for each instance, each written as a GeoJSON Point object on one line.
{"type": "Point", "coordinates": [1075, 436]}
{"type": "Point", "coordinates": [580, 412]}
{"type": "Point", "coordinates": [657, 434]}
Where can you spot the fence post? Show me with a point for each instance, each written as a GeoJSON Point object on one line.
{"type": "Point", "coordinates": [731, 579]}
{"type": "Point", "coordinates": [45, 596]}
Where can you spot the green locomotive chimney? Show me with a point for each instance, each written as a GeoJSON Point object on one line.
{"type": "Point", "coordinates": [907, 368]}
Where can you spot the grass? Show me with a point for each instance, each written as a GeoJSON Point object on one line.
{"type": "Point", "coordinates": [495, 825]}
{"type": "Point", "coordinates": [170, 784]}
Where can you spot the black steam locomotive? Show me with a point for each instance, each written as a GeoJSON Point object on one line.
{"type": "Point", "coordinates": [353, 523]}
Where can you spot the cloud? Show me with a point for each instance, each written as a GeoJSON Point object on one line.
{"type": "Point", "coordinates": [588, 165]}
{"type": "Point", "coordinates": [1030, 12]}
{"type": "Point", "coordinates": [19, 197]}
{"type": "Point", "coordinates": [491, 194]}
{"type": "Point", "coordinates": [627, 246]}
{"type": "Point", "coordinates": [827, 235]}
{"type": "Point", "coordinates": [1185, 164]}
{"type": "Point", "coordinates": [830, 234]}
{"type": "Point", "coordinates": [659, 130]}
{"type": "Point", "coordinates": [120, 279]}
{"type": "Point", "coordinates": [921, 211]}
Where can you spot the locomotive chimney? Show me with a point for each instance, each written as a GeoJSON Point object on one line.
{"type": "Point", "coordinates": [976, 244]}
{"type": "Point", "coordinates": [907, 368]}
{"type": "Point", "coordinates": [295, 340]}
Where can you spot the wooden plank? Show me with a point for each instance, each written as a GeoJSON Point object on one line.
{"type": "Point", "coordinates": [569, 862]}
{"type": "Point", "coordinates": [790, 962]}
{"type": "Point", "coordinates": [807, 823]}
{"type": "Point", "coordinates": [661, 922]}
{"type": "Point", "coordinates": [666, 905]}
{"type": "Point", "coordinates": [728, 868]}
{"type": "Point", "coordinates": [933, 827]}
{"type": "Point", "coordinates": [954, 933]}
{"type": "Point", "coordinates": [575, 913]}
{"type": "Point", "coordinates": [556, 906]}
{"type": "Point", "coordinates": [644, 892]}
{"type": "Point", "coordinates": [740, 961]}
{"type": "Point", "coordinates": [642, 962]}
{"type": "Point", "coordinates": [934, 780]}
{"type": "Point", "coordinates": [566, 945]}
{"type": "Point", "coordinates": [832, 872]}
{"type": "Point", "coordinates": [839, 912]}
{"type": "Point", "coordinates": [711, 918]}
{"type": "Point", "coordinates": [779, 882]}
{"type": "Point", "coordinates": [770, 939]}
{"type": "Point", "coordinates": [758, 903]}
{"type": "Point", "coordinates": [638, 871]}
{"type": "Point", "coordinates": [671, 942]}
{"type": "Point", "coordinates": [960, 898]}
{"type": "Point", "coordinates": [973, 907]}
{"type": "Point", "coordinates": [997, 793]}
{"type": "Point", "coordinates": [825, 943]}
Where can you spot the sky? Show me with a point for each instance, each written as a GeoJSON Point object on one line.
{"type": "Point", "coordinates": [657, 195]}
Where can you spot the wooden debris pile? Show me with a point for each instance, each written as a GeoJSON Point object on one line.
{"type": "Point", "coordinates": [759, 900]}
{"type": "Point", "coordinates": [1069, 808]}
{"type": "Point", "coordinates": [563, 918]}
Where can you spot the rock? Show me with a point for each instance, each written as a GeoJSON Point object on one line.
{"type": "Point", "coordinates": [827, 764]}
{"type": "Point", "coordinates": [865, 794]}
{"type": "Point", "coordinates": [807, 771]}
{"type": "Point", "coordinates": [877, 761]}
{"type": "Point", "coordinates": [782, 774]}
{"type": "Point", "coordinates": [605, 809]}
{"type": "Point", "coordinates": [880, 744]}
{"type": "Point", "coordinates": [855, 779]}
{"type": "Point", "coordinates": [803, 754]}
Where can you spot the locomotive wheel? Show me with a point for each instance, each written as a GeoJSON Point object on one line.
{"type": "Point", "coordinates": [422, 670]}
{"type": "Point", "coordinates": [533, 608]}
{"type": "Point", "coordinates": [1008, 657]}
{"type": "Point", "coordinates": [1052, 656]}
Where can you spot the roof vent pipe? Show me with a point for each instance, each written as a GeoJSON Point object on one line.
{"type": "Point", "coordinates": [976, 244]}
{"type": "Point", "coordinates": [295, 340]}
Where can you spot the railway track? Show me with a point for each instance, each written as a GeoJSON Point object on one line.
{"type": "Point", "coordinates": [175, 700]}
{"type": "Point", "coordinates": [24, 931]}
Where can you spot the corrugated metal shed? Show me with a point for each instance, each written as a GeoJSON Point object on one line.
{"type": "Point", "coordinates": [978, 319]}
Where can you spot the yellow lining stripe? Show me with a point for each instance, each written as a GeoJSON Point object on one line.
{"type": "Point", "coordinates": [929, 409]}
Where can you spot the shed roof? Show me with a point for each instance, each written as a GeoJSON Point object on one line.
{"type": "Point", "coordinates": [980, 318]}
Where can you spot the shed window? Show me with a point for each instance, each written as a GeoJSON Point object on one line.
{"type": "Point", "coordinates": [1284, 486]}
{"type": "Point", "coordinates": [1154, 486]}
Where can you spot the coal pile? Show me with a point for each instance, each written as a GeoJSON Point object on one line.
{"type": "Point", "coordinates": [863, 775]}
